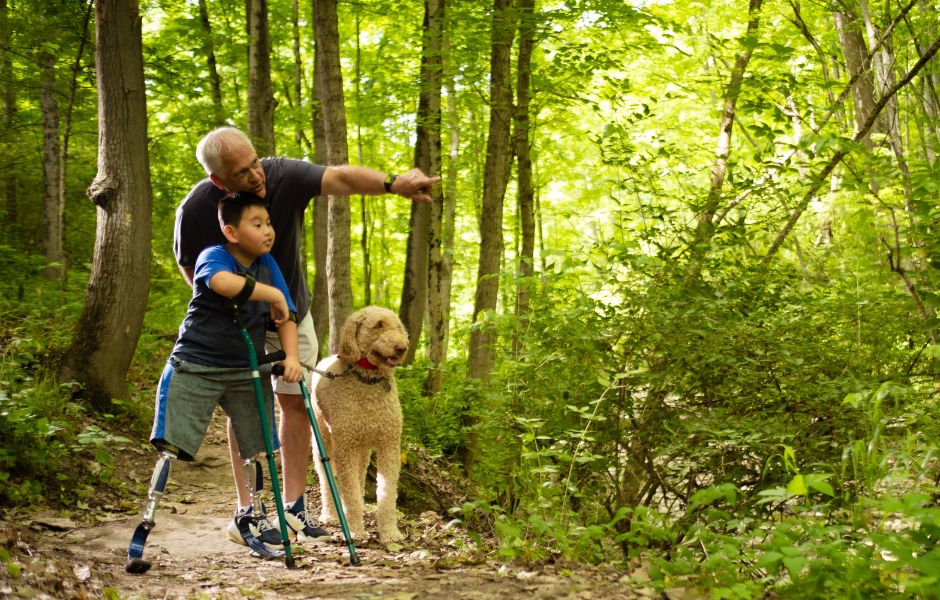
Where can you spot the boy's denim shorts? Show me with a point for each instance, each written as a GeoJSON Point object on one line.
{"type": "Point", "coordinates": [187, 396]}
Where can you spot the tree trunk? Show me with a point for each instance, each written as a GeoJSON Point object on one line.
{"type": "Point", "coordinates": [321, 215]}
{"type": "Point", "coordinates": [261, 101]}
{"type": "Point", "coordinates": [113, 312]}
{"type": "Point", "coordinates": [215, 87]}
{"type": "Point", "coordinates": [66, 134]}
{"type": "Point", "coordinates": [436, 315]}
{"type": "Point", "coordinates": [49, 107]}
{"type": "Point", "coordinates": [450, 203]}
{"type": "Point", "coordinates": [856, 52]}
{"type": "Point", "coordinates": [884, 70]}
{"type": "Point", "coordinates": [9, 109]}
{"type": "Point", "coordinates": [364, 240]}
{"type": "Point", "coordinates": [298, 73]}
{"type": "Point", "coordinates": [705, 226]}
{"type": "Point", "coordinates": [330, 78]}
{"type": "Point", "coordinates": [495, 177]}
{"type": "Point", "coordinates": [526, 195]}
{"type": "Point", "coordinates": [414, 289]}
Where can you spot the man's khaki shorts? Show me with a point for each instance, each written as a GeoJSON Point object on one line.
{"type": "Point", "coordinates": [307, 343]}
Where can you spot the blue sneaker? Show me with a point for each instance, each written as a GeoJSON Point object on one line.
{"type": "Point", "coordinates": [300, 520]}
{"type": "Point", "coordinates": [261, 528]}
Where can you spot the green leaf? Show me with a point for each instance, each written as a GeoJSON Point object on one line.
{"type": "Point", "coordinates": [797, 486]}
{"type": "Point", "coordinates": [769, 560]}
{"type": "Point", "coordinates": [603, 382]}
{"type": "Point", "coordinates": [13, 570]}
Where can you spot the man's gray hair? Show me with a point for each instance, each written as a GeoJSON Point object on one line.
{"type": "Point", "coordinates": [217, 144]}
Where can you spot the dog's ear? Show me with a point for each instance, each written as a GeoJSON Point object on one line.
{"type": "Point", "coordinates": [348, 344]}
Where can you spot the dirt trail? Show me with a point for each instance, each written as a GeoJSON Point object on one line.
{"type": "Point", "coordinates": [193, 558]}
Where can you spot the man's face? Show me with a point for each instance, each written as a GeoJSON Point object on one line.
{"type": "Point", "coordinates": [243, 172]}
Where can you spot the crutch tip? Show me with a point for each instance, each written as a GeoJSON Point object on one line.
{"type": "Point", "coordinates": [289, 561]}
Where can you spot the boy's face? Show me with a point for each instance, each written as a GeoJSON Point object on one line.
{"type": "Point", "coordinates": [253, 234]}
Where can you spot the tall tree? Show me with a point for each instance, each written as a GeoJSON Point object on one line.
{"type": "Point", "coordinates": [414, 289]}
{"type": "Point", "coordinates": [450, 195]}
{"type": "Point", "coordinates": [855, 52]}
{"type": "Point", "coordinates": [298, 70]}
{"type": "Point", "coordinates": [321, 216]}
{"type": "Point", "coordinates": [705, 226]}
{"type": "Point", "coordinates": [113, 312]}
{"type": "Point", "coordinates": [436, 310]}
{"type": "Point", "coordinates": [482, 351]}
{"type": "Point", "coordinates": [525, 192]}
{"type": "Point", "coordinates": [9, 109]}
{"type": "Point", "coordinates": [330, 84]}
{"type": "Point", "coordinates": [49, 106]}
{"type": "Point", "coordinates": [66, 136]}
{"type": "Point", "coordinates": [215, 84]}
{"type": "Point", "coordinates": [364, 240]}
{"type": "Point", "coordinates": [261, 101]}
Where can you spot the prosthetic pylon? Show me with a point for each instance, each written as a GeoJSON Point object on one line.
{"type": "Point", "coordinates": [254, 480]}
{"type": "Point", "coordinates": [135, 561]}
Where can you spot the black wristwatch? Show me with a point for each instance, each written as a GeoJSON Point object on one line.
{"type": "Point", "coordinates": [389, 180]}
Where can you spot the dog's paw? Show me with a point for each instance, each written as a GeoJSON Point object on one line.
{"type": "Point", "coordinates": [329, 519]}
{"type": "Point", "coordinates": [393, 535]}
{"type": "Point", "coordinates": [359, 534]}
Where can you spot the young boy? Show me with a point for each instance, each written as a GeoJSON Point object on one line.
{"type": "Point", "coordinates": [209, 364]}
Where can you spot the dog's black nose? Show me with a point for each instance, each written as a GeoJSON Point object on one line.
{"type": "Point", "coordinates": [400, 349]}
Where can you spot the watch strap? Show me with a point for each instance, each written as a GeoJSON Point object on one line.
{"type": "Point", "coordinates": [389, 180]}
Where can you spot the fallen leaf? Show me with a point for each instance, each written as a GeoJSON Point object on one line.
{"type": "Point", "coordinates": [82, 572]}
{"type": "Point", "coordinates": [394, 547]}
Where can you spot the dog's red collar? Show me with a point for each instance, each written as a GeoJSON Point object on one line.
{"type": "Point", "coordinates": [365, 364]}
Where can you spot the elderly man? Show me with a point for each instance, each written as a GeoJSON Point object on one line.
{"type": "Point", "coordinates": [233, 166]}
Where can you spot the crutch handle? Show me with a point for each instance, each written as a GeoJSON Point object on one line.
{"type": "Point", "coordinates": [273, 357]}
{"type": "Point", "coordinates": [277, 370]}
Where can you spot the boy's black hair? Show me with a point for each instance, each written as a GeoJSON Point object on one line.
{"type": "Point", "coordinates": [232, 206]}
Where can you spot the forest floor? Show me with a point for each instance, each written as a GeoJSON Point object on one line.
{"type": "Point", "coordinates": [50, 554]}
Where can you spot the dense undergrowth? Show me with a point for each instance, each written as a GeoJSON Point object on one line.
{"type": "Point", "coordinates": [741, 434]}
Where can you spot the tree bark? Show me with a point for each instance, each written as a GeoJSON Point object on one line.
{"type": "Point", "coordinates": [856, 54]}
{"type": "Point", "coordinates": [414, 289]}
{"type": "Point", "coordinates": [864, 129]}
{"type": "Point", "coordinates": [298, 72]}
{"type": "Point", "coordinates": [9, 109]}
{"type": "Point", "coordinates": [725, 129]}
{"type": "Point", "coordinates": [321, 216]}
{"type": "Point", "coordinates": [49, 107]}
{"type": "Point", "coordinates": [364, 240]}
{"type": "Point", "coordinates": [436, 315]}
{"type": "Point", "coordinates": [330, 79]}
{"type": "Point", "coordinates": [525, 192]}
{"type": "Point", "coordinates": [884, 71]}
{"type": "Point", "coordinates": [215, 86]}
{"type": "Point", "coordinates": [66, 134]}
{"type": "Point", "coordinates": [113, 312]}
{"type": "Point", "coordinates": [495, 177]}
{"type": "Point", "coordinates": [450, 203]}
{"type": "Point", "coordinates": [261, 101]}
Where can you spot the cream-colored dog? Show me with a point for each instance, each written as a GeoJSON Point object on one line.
{"type": "Point", "coordinates": [357, 409]}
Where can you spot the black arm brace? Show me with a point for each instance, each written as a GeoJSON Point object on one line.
{"type": "Point", "coordinates": [246, 292]}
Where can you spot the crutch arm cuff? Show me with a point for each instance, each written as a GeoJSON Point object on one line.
{"type": "Point", "coordinates": [246, 291]}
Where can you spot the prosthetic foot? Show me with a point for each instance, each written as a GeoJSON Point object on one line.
{"type": "Point", "coordinates": [136, 563]}
{"type": "Point", "coordinates": [253, 525]}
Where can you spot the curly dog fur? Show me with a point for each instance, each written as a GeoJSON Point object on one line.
{"type": "Point", "coordinates": [356, 416]}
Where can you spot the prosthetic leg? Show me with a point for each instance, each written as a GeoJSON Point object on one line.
{"type": "Point", "coordinates": [136, 563]}
{"type": "Point", "coordinates": [254, 480]}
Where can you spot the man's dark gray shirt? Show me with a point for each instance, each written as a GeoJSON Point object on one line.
{"type": "Point", "coordinates": [290, 185]}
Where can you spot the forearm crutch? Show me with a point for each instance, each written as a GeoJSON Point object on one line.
{"type": "Point", "coordinates": [347, 538]}
{"type": "Point", "coordinates": [268, 447]}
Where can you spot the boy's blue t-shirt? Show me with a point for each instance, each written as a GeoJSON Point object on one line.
{"type": "Point", "coordinates": [208, 335]}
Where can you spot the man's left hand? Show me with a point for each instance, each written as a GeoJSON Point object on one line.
{"type": "Point", "coordinates": [414, 185]}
